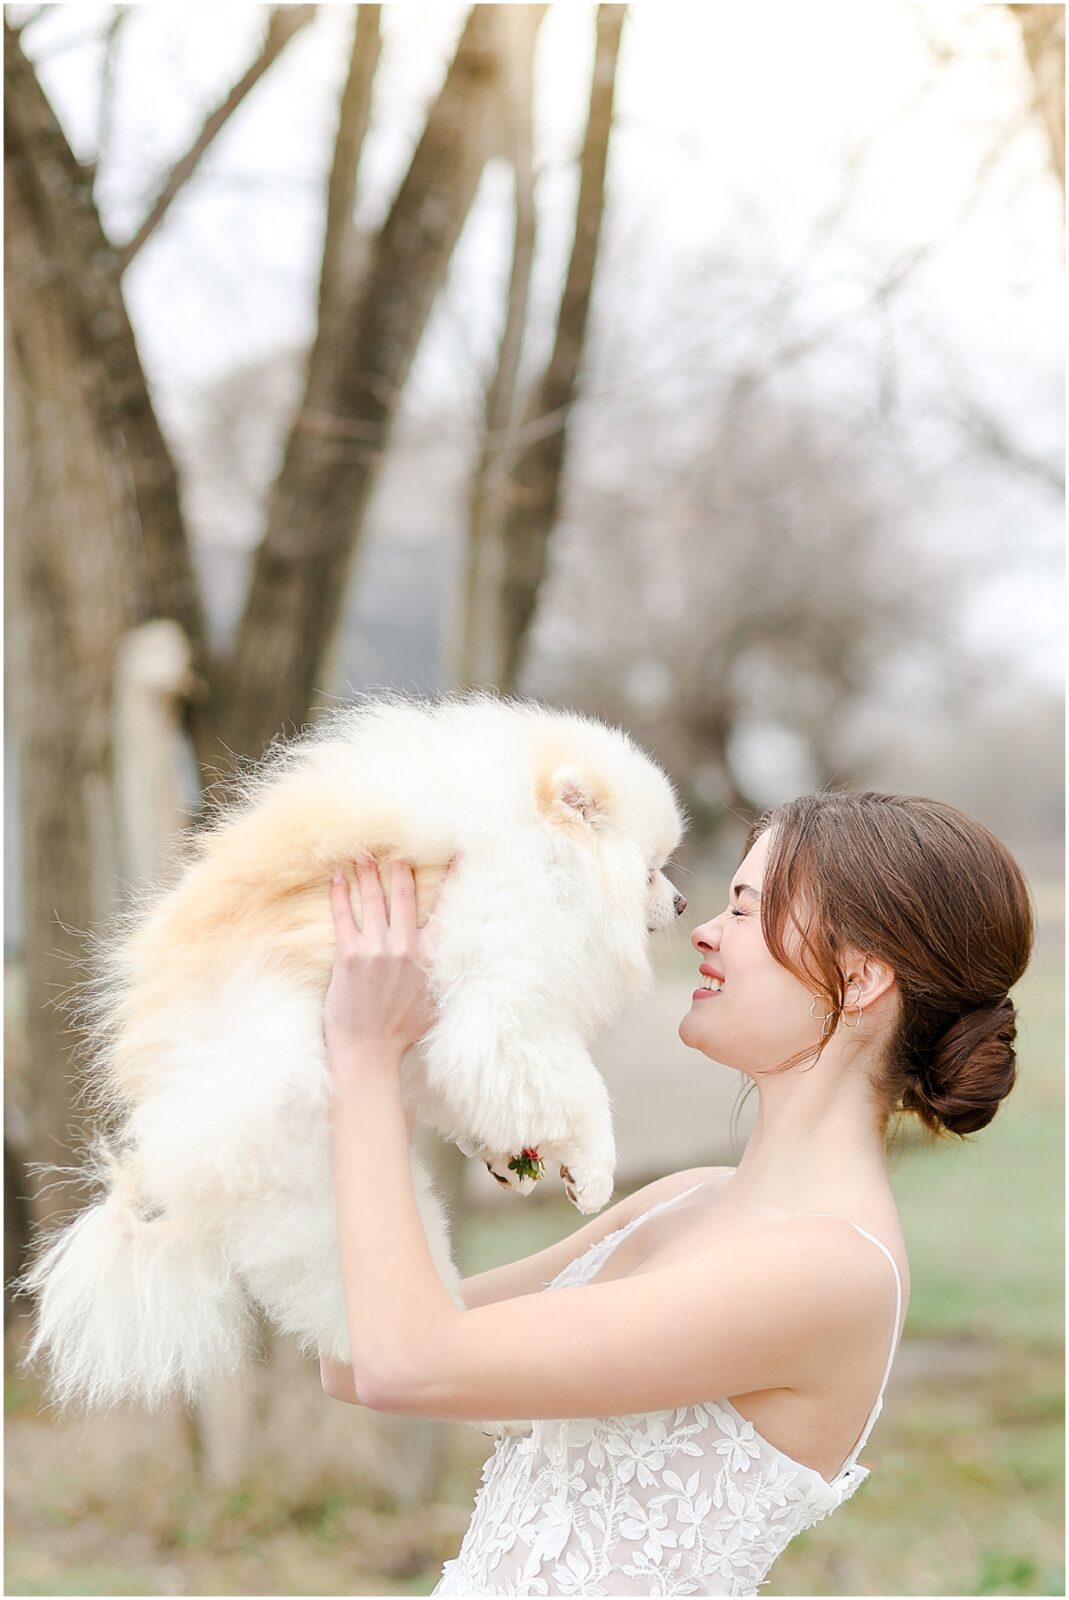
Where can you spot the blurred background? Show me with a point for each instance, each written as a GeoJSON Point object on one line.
{"type": "Point", "coordinates": [697, 367]}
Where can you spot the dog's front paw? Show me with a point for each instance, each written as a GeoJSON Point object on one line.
{"type": "Point", "coordinates": [588, 1186]}
{"type": "Point", "coordinates": [510, 1172]}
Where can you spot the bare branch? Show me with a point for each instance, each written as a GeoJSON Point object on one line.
{"type": "Point", "coordinates": [285, 23]}
{"type": "Point", "coordinates": [993, 436]}
{"type": "Point", "coordinates": [535, 482]}
{"type": "Point", "coordinates": [748, 379]}
{"type": "Point", "coordinates": [521, 24]}
{"type": "Point", "coordinates": [353, 117]}
{"type": "Point", "coordinates": [107, 83]}
{"type": "Point", "coordinates": [478, 647]}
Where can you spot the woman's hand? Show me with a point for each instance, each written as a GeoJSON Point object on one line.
{"type": "Point", "coordinates": [378, 1000]}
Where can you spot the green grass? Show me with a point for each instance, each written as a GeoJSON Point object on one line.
{"type": "Point", "coordinates": [86, 1580]}
{"type": "Point", "coordinates": [984, 1219]}
{"type": "Point", "coordinates": [965, 1495]}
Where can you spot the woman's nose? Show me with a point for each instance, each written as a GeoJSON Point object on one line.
{"type": "Point", "coordinates": [702, 936]}
{"type": "Point", "coordinates": [680, 903]}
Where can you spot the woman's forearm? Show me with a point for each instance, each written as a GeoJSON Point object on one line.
{"type": "Point", "coordinates": [337, 1376]}
{"type": "Point", "coordinates": [338, 1381]}
{"type": "Point", "coordinates": [397, 1305]}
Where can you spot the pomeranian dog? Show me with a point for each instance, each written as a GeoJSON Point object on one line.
{"type": "Point", "coordinates": [207, 1057]}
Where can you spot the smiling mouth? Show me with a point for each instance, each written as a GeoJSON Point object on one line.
{"type": "Point", "coordinates": [711, 985]}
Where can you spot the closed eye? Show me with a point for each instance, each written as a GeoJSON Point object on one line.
{"type": "Point", "coordinates": [667, 867]}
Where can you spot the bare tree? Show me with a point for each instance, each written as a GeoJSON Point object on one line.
{"type": "Point", "coordinates": [516, 500]}
{"type": "Point", "coordinates": [480, 651]}
{"type": "Point", "coordinates": [354, 115]}
{"type": "Point", "coordinates": [69, 601]}
{"type": "Point", "coordinates": [342, 428]}
{"type": "Point", "coordinates": [57, 219]}
{"type": "Point", "coordinates": [95, 460]}
{"type": "Point", "coordinates": [515, 487]}
{"type": "Point", "coordinates": [535, 480]}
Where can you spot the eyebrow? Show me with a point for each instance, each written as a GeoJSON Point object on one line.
{"type": "Point", "coordinates": [745, 888]}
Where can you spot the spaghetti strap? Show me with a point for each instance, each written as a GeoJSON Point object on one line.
{"type": "Point", "coordinates": [895, 1336]}
{"type": "Point", "coordinates": [602, 1248]}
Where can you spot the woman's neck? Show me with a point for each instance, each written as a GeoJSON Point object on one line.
{"type": "Point", "coordinates": [816, 1138]}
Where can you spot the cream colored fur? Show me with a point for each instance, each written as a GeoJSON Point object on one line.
{"type": "Point", "coordinates": [207, 1022]}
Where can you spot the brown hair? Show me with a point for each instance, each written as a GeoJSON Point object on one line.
{"type": "Point", "coordinates": [932, 892]}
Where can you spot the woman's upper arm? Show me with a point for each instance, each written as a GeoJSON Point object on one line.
{"type": "Point", "coordinates": [777, 1306]}
{"type": "Point", "coordinates": [531, 1273]}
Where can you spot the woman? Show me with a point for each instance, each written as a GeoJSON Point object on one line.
{"type": "Point", "coordinates": [716, 1346]}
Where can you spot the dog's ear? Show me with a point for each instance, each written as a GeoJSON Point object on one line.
{"type": "Point", "coordinates": [568, 797]}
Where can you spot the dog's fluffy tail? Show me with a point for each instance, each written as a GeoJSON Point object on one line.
{"type": "Point", "coordinates": [131, 1307]}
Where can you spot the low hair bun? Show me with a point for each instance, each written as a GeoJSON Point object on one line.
{"type": "Point", "coordinates": [968, 1072]}
{"type": "Point", "coordinates": [933, 895]}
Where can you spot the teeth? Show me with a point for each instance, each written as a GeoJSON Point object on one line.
{"type": "Point", "coordinates": [711, 983]}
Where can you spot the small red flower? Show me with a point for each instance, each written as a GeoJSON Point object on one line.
{"type": "Point", "coordinates": [528, 1164]}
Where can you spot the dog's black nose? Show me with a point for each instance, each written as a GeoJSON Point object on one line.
{"type": "Point", "coordinates": [680, 903]}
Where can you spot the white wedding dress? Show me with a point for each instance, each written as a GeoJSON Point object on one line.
{"type": "Point", "coordinates": [685, 1501]}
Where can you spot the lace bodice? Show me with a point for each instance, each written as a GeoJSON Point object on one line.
{"type": "Point", "coordinates": [685, 1501]}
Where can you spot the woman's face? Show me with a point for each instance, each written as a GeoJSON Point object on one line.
{"type": "Point", "coordinates": [762, 1014]}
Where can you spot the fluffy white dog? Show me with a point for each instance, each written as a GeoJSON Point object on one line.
{"type": "Point", "coordinates": [208, 1036]}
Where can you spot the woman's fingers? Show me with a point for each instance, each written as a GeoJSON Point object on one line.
{"type": "Point", "coordinates": [403, 902]}
{"type": "Point", "coordinates": [373, 915]}
{"type": "Point", "coordinates": [342, 906]}
{"type": "Point", "coordinates": [373, 921]}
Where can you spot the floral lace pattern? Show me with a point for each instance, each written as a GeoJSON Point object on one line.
{"type": "Point", "coordinates": [686, 1501]}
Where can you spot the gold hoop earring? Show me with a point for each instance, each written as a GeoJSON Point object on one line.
{"type": "Point", "coordinates": [828, 1015]}
{"type": "Point", "coordinates": [855, 1005]}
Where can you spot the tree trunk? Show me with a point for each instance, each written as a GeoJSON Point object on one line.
{"type": "Point", "coordinates": [353, 116]}
{"type": "Point", "coordinates": [334, 452]}
{"type": "Point", "coordinates": [55, 198]}
{"type": "Point", "coordinates": [534, 483]}
{"type": "Point", "coordinates": [480, 649]}
{"type": "Point", "coordinates": [86, 457]}
{"type": "Point", "coordinates": [69, 601]}
{"type": "Point", "coordinates": [17, 1223]}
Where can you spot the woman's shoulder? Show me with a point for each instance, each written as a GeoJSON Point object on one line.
{"type": "Point", "coordinates": [854, 1243]}
{"type": "Point", "coordinates": [615, 1218]}
{"type": "Point", "coordinates": [711, 1179]}
{"type": "Point", "coordinates": [867, 1261]}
